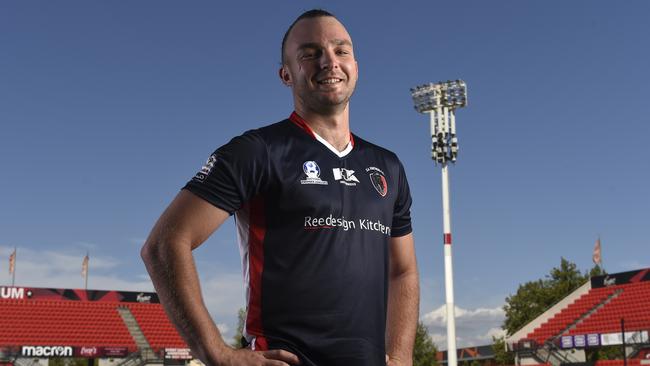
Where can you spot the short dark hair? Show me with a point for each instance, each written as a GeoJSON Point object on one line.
{"type": "Point", "coordinates": [313, 13]}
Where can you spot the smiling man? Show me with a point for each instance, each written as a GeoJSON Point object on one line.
{"type": "Point", "coordinates": [323, 221]}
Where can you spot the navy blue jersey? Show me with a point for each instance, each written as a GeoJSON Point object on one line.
{"type": "Point", "coordinates": [314, 226]}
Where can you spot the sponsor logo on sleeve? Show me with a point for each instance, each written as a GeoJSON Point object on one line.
{"type": "Point", "coordinates": [345, 176]}
{"type": "Point", "coordinates": [206, 169]}
{"type": "Point", "coordinates": [378, 180]}
{"type": "Point", "coordinates": [312, 171]}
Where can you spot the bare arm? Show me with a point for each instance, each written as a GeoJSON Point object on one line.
{"type": "Point", "coordinates": [167, 254]}
{"type": "Point", "coordinates": [403, 301]}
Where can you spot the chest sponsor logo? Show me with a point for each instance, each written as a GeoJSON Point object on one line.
{"type": "Point", "coordinates": [345, 176]}
{"type": "Point", "coordinates": [206, 168]}
{"type": "Point", "coordinates": [332, 222]}
{"type": "Point", "coordinates": [378, 180]}
{"type": "Point", "coordinates": [312, 171]}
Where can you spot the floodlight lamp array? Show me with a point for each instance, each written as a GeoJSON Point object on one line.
{"type": "Point", "coordinates": [454, 94]}
{"type": "Point", "coordinates": [450, 94]}
{"type": "Point", "coordinates": [440, 100]}
{"type": "Point", "coordinates": [426, 97]}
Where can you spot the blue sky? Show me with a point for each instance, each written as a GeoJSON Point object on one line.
{"type": "Point", "coordinates": [108, 108]}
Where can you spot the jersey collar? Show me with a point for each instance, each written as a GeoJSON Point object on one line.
{"type": "Point", "coordinates": [300, 122]}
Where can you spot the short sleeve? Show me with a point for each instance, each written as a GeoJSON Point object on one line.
{"type": "Point", "coordinates": [402, 211]}
{"type": "Point", "coordinates": [234, 173]}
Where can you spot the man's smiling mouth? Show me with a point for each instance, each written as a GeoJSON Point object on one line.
{"type": "Point", "coordinates": [329, 81]}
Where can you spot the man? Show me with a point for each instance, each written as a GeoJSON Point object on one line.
{"type": "Point", "coordinates": [323, 222]}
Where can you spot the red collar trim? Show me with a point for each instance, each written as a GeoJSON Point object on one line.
{"type": "Point", "coordinates": [300, 122]}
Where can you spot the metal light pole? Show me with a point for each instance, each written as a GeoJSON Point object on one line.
{"type": "Point", "coordinates": [440, 100]}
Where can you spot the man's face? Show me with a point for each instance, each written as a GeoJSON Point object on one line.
{"type": "Point", "coordinates": [319, 65]}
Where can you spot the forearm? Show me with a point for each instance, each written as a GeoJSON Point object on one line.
{"type": "Point", "coordinates": [174, 275]}
{"type": "Point", "coordinates": [401, 324]}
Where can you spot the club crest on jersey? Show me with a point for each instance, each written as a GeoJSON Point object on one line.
{"type": "Point", "coordinates": [378, 180]}
{"type": "Point", "coordinates": [206, 169]}
{"type": "Point", "coordinates": [312, 171]}
{"type": "Point", "coordinates": [345, 176]}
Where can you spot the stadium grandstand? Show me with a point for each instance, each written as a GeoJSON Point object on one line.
{"type": "Point", "coordinates": [100, 328]}
{"type": "Point", "coordinates": [109, 328]}
{"type": "Point", "coordinates": [608, 311]}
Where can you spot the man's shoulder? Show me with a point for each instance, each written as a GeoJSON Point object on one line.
{"type": "Point", "coordinates": [273, 130]}
{"type": "Point", "coordinates": [366, 145]}
{"type": "Point", "coordinates": [262, 136]}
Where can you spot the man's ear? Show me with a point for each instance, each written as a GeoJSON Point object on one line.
{"type": "Point", "coordinates": [285, 76]}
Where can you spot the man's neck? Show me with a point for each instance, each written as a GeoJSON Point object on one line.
{"type": "Point", "coordinates": [334, 128]}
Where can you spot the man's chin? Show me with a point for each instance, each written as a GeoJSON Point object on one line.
{"type": "Point", "coordinates": [325, 104]}
{"type": "Point", "coordinates": [334, 104]}
{"type": "Point", "coordinates": [334, 100]}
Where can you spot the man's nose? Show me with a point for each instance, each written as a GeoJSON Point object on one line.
{"type": "Point", "coordinates": [328, 60]}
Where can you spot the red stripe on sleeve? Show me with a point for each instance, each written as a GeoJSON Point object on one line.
{"type": "Point", "coordinates": [257, 232]}
{"type": "Point", "coordinates": [261, 344]}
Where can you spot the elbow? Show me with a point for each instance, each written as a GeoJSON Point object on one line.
{"type": "Point", "coordinates": [147, 252]}
{"type": "Point", "coordinates": [406, 273]}
{"type": "Point", "coordinates": [161, 250]}
{"type": "Point", "coordinates": [152, 252]}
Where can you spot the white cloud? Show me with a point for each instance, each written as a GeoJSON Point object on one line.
{"type": "Point", "coordinates": [474, 327]}
{"type": "Point", "coordinates": [223, 328]}
{"type": "Point", "coordinates": [60, 269]}
{"type": "Point", "coordinates": [224, 296]}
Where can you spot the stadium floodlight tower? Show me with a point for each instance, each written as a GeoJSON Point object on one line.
{"type": "Point", "coordinates": [440, 100]}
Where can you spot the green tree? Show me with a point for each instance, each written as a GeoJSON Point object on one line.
{"type": "Point", "coordinates": [530, 300]}
{"type": "Point", "coordinates": [501, 356]}
{"type": "Point", "coordinates": [604, 353]}
{"type": "Point", "coordinates": [535, 297]}
{"type": "Point", "coordinates": [424, 351]}
{"type": "Point", "coordinates": [597, 271]}
{"type": "Point", "coordinates": [240, 328]}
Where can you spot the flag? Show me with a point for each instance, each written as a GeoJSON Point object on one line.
{"type": "Point", "coordinates": [84, 266]}
{"type": "Point", "coordinates": [596, 257]}
{"type": "Point", "coordinates": [12, 262]}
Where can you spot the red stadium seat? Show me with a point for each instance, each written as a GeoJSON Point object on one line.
{"type": "Point", "coordinates": [83, 323]}
{"type": "Point", "coordinates": [631, 303]}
